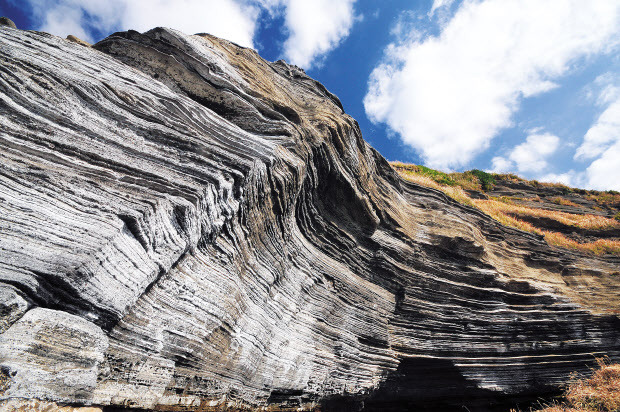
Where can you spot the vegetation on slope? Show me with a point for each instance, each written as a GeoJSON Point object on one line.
{"type": "Point", "coordinates": [598, 393]}
{"type": "Point", "coordinates": [578, 219]}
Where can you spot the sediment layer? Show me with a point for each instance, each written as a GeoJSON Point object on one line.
{"type": "Point", "coordinates": [185, 225]}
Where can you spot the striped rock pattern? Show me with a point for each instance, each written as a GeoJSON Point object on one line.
{"type": "Point", "coordinates": [184, 226]}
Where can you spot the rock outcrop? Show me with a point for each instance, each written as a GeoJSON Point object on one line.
{"type": "Point", "coordinates": [78, 40]}
{"type": "Point", "coordinates": [186, 226]}
{"type": "Point", "coordinates": [5, 21]}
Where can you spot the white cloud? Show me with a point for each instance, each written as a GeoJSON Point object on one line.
{"type": "Point", "coordinates": [65, 20]}
{"type": "Point", "coordinates": [529, 156]}
{"type": "Point", "coordinates": [602, 143]}
{"type": "Point", "coordinates": [449, 96]}
{"type": "Point", "coordinates": [438, 4]}
{"type": "Point", "coordinates": [230, 19]}
{"type": "Point", "coordinates": [314, 27]}
{"type": "Point", "coordinates": [604, 172]}
{"type": "Point", "coordinates": [570, 178]}
{"type": "Point", "coordinates": [406, 28]}
{"type": "Point", "coordinates": [502, 165]}
{"type": "Point", "coordinates": [606, 130]}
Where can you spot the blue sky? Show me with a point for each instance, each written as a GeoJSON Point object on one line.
{"type": "Point", "coordinates": [524, 86]}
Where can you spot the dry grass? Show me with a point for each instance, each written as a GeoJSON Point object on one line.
{"type": "Point", "coordinates": [563, 202]}
{"type": "Point", "coordinates": [549, 184]}
{"type": "Point", "coordinates": [455, 192]}
{"type": "Point", "coordinates": [571, 219]}
{"type": "Point", "coordinates": [598, 393]}
{"type": "Point", "coordinates": [466, 180]}
{"type": "Point", "coordinates": [498, 211]}
{"type": "Point", "coordinates": [512, 200]}
{"type": "Point", "coordinates": [599, 247]}
{"type": "Point", "coordinates": [606, 198]}
{"type": "Point", "coordinates": [504, 211]}
{"type": "Point", "coordinates": [510, 176]}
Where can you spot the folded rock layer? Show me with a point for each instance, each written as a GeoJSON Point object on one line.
{"type": "Point", "coordinates": [186, 226]}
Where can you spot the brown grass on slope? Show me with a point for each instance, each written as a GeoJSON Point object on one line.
{"type": "Point", "coordinates": [506, 212]}
{"type": "Point", "coordinates": [598, 393]}
{"type": "Point", "coordinates": [571, 219]}
{"type": "Point", "coordinates": [499, 212]}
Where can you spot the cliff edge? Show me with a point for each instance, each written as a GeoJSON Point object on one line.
{"type": "Point", "coordinates": [186, 226]}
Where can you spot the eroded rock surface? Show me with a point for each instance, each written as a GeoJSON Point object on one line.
{"type": "Point", "coordinates": [5, 21]}
{"type": "Point", "coordinates": [216, 231]}
{"type": "Point", "coordinates": [50, 354]}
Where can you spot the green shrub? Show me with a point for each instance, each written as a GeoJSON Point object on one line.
{"type": "Point", "coordinates": [487, 181]}
{"type": "Point", "coordinates": [436, 175]}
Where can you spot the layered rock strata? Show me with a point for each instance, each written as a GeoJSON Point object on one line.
{"type": "Point", "coordinates": [187, 226]}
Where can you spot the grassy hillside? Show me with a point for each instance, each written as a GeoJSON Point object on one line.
{"type": "Point", "coordinates": [584, 220]}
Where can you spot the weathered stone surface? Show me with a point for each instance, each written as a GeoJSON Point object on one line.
{"type": "Point", "coordinates": [50, 354]}
{"type": "Point", "coordinates": [12, 306]}
{"type": "Point", "coordinates": [35, 405]}
{"type": "Point", "coordinates": [5, 21]}
{"type": "Point", "coordinates": [223, 222]}
{"type": "Point", "coordinates": [77, 40]}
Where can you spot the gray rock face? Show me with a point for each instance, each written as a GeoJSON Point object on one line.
{"type": "Point", "coordinates": [50, 354]}
{"type": "Point", "coordinates": [214, 230]}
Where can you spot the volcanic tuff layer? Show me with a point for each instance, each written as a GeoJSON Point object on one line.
{"type": "Point", "coordinates": [184, 224]}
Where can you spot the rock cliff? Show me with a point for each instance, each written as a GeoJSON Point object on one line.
{"type": "Point", "coordinates": [186, 226]}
